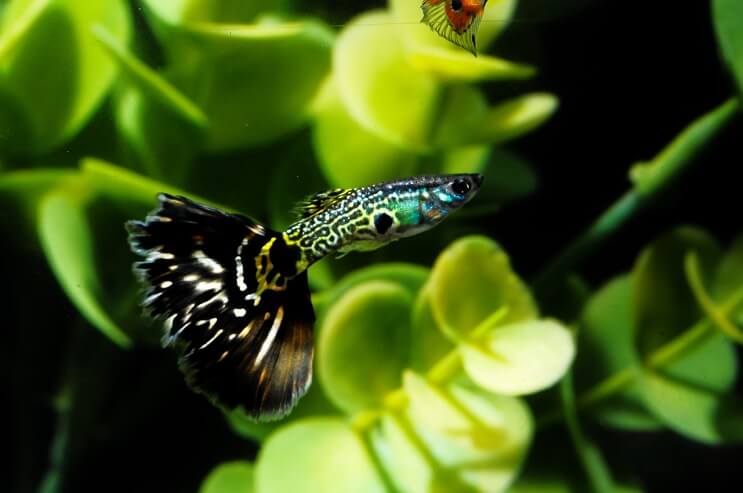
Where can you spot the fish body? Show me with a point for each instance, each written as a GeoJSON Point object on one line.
{"type": "Point", "coordinates": [455, 20]}
{"type": "Point", "coordinates": [233, 294]}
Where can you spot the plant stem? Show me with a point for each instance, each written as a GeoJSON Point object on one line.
{"type": "Point", "coordinates": [589, 454]}
{"type": "Point", "coordinates": [649, 179]}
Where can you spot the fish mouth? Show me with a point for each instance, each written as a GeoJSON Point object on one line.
{"type": "Point", "coordinates": [477, 178]}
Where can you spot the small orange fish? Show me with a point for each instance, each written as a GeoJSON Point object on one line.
{"type": "Point", "coordinates": [455, 20]}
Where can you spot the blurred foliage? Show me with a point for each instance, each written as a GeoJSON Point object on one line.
{"type": "Point", "coordinates": [425, 376]}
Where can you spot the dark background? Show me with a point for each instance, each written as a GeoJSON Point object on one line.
{"type": "Point", "coordinates": [629, 75]}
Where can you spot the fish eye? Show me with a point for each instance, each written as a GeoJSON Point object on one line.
{"type": "Point", "coordinates": [460, 186]}
{"type": "Point", "coordinates": [456, 5]}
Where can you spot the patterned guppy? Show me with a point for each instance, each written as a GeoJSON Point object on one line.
{"type": "Point", "coordinates": [233, 294]}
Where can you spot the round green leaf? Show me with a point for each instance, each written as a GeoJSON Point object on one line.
{"type": "Point", "coordinates": [54, 37]}
{"type": "Point", "coordinates": [66, 239]}
{"type": "Point", "coordinates": [520, 358]}
{"type": "Point", "coordinates": [690, 395]}
{"type": "Point", "coordinates": [728, 19]}
{"type": "Point", "coordinates": [405, 464]}
{"type": "Point", "coordinates": [318, 455]}
{"type": "Point", "coordinates": [339, 139]}
{"type": "Point", "coordinates": [230, 477]}
{"type": "Point", "coordinates": [163, 128]}
{"type": "Point", "coordinates": [427, 343]}
{"type": "Point", "coordinates": [483, 461]}
{"type": "Point", "coordinates": [664, 305]}
{"type": "Point", "coordinates": [363, 345]}
{"type": "Point", "coordinates": [691, 411]}
{"type": "Point", "coordinates": [255, 82]}
{"type": "Point", "coordinates": [228, 11]}
{"type": "Point", "coordinates": [160, 141]}
{"type": "Point", "coordinates": [729, 276]}
{"type": "Point", "coordinates": [378, 86]}
{"type": "Point", "coordinates": [606, 347]}
{"type": "Point", "coordinates": [470, 281]}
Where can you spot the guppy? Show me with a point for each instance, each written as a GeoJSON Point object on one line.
{"type": "Point", "coordinates": [455, 20]}
{"type": "Point", "coordinates": [233, 294]}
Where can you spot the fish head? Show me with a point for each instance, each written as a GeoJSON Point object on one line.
{"type": "Point", "coordinates": [437, 197]}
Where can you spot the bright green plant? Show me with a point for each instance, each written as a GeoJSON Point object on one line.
{"type": "Point", "coordinates": [429, 378]}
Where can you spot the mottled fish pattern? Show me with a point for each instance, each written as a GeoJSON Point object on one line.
{"type": "Point", "coordinates": [233, 294]}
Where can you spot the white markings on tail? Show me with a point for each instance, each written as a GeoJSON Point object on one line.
{"type": "Point", "coordinates": [240, 277]}
{"type": "Point", "coordinates": [246, 330]}
{"type": "Point", "coordinates": [219, 297]}
{"type": "Point", "coordinates": [271, 336]}
{"type": "Point", "coordinates": [207, 262]}
{"type": "Point", "coordinates": [208, 286]}
{"type": "Point", "coordinates": [217, 334]}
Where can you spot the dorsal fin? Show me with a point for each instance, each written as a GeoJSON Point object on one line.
{"type": "Point", "coordinates": [319, 202]}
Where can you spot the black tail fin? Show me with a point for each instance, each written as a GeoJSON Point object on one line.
{"type": "Point", "coordinates": [239, 347]}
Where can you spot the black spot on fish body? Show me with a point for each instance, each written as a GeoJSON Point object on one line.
{"type": "Point", "coordinates": [382, 223]}
{"type": "Point", "coordinates": [285, 257]}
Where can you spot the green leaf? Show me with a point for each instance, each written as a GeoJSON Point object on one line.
{"type": "Point", "coordinates": [409, 467]}
{"type": "Point", "coordinates": [463, 67]}
{"type": "Point", "coordinates": [318, 455]}
{"type": "Point", "coordinates": [53, 37]}
{"type": "Point", "coordinates": [664, 305]}
{"type": "Point", "coordinates": [467, 120]}
{"type": "Point", "coordinates": [428, 344]}
{"type": "Point", "coordinates": [728, 20]}
{"type": "Point", "coordinates": [148, 81]}
{"type": "Point", "coordinates": [229, 477]}
{"type": "Point", "coordinates": [156, 139]}
{"type": "Point", "coordinates": [122, 184]}
{"type": "Point", "coordinates": [470, 281]}
{"type": "Point", "coordinates": [365, 327]}
{"type": "Point", "coordinates": [695, 412]}
{"type": "Point", "coordinates": [29, 186]}
{"type": "Point", "coordinates": [729, 276]}
{"type": "Point", "coordinates": [365, 61]}
{"type": "Point", "coordinates": [228, 11]}
{"type": "Point", "coordinates": [164, 128]}
{"type": "Point", "coordinates": [606, 347]}
{"type": "Point", "coordinates": [487, 456]}
{"type": "Point", "coordinates": [686, 393]}
{"type": "Point", "coordinates": [520, 358]}
{"type": "Point", "coordinates": [339, 139]}
{"type": "Point", "coordinates": [409, 276]}
{"type": "Point", "coordinates": [514, 118]}
{"type": "Point", "coordinates": [255, 82]}
{"type": "Point", "coordinates": [69, 247]}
